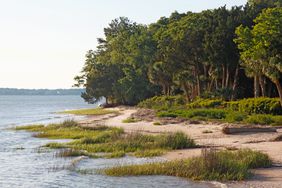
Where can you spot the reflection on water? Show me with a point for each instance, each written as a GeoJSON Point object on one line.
{"type": "Point", "coordinates": [25, 164]}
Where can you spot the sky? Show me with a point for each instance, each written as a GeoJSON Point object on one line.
{"type": "Point", "coordinates": [43, 42]}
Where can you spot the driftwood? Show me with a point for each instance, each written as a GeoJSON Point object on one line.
{"type": "Point", "coordinates": [247, 129]}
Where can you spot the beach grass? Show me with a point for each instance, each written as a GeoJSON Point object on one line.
{"type": "Point", "coordinates": [211, 165]}
{"type": "Point", "coordinates": [94, 111]}
{"type": "Point", "coordinates": [114, 142]}
{"type": "Point", "coordinates": [149, 153]}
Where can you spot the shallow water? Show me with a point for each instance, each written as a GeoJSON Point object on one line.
{"type": "Point", "coordinates": [24, 164]}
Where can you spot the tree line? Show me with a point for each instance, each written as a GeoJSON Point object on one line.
{"type": "Point", "coordinates": [228, 53]}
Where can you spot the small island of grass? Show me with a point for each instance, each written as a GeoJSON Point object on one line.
{"type": "Point", "coordinates": [111, 141]}
{"type": "Point", "coordinates": [211, 165]}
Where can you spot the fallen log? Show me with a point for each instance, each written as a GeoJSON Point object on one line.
{"type": "Point", "coordinates": [247, 129]}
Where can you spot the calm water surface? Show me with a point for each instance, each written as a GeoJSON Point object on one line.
{"type": "Point", "coordinates": [24, 164]}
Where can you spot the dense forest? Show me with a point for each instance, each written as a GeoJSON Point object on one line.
{"type": "Point", "coordinates": [221, 53]}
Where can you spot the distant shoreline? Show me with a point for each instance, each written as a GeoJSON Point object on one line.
{"type": "Point", "coordinates": [47, 92]}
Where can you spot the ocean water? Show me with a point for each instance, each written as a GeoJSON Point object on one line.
{"type": "Point", "coordinates": [24, 164]}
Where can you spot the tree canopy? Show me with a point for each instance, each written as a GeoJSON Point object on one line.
{"type": "Point", "coordinates": [197, 54]}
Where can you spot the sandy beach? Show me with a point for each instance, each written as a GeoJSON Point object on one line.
{"type": "Point", "coordinates": [205, 135]}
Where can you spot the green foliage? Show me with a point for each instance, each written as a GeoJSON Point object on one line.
{"type": "Point", "coordinates": [223, 115]}
{"type": "Point", "coordinates": [163, 102]}
{"type": "Point", "coordinates": [261, 46]}
{"type": "Point", "coordinates": [206, 103]}
{"type": "Point", "coordinates": [195, 113]}
{"type": "Point", "coordinates": [260, 119]}
{"type": "Point", "coordinates": [192, 54]}
{"type": "Point", "coordinates": [211, 165]}
{"type": "Point", "coordinates": [257, 106]}
{"type": "Point", "coordinates": [233, 117]}
{"type": "Point", "coordinates": [114, 142]}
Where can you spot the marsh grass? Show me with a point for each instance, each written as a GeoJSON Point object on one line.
{"type": "Point", "coordinates": [149, 153]}
{"type": "Point", "coordinates": [70, 153]}
{"type": "Point", "coordinates": [117, 154]}
{"type": "Point", "coordinates": [109, 140]}
{"type": "Point", "coordinates": [94, 111]}
{"type": "Point", "coordinates": [211, 165]}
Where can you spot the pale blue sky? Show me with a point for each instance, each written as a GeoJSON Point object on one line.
{"type": "Point", "coordinates": [43, 42]}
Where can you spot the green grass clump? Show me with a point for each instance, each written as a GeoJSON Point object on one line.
{"type": "Point", "coordinates": [55, 145]}
{"type": "Point", "coordinates": [70, 153]}
{"type": "Point", "coordinates": [211, 165]}
{"type": "Point", "coordinates": [163, 102]}
{"type": "Point", "coordinates": [117, 154]}
{"type": "Point", "coordinates": [177, 140]}
{"type": "Point", "coordinates": [149, 153]}
{"type": "Point", "coordinates": [130, 120]}
{"type": "Point", "coordinates": [109, 140]}
{"type": "Point", "coordinates": [95, 111]}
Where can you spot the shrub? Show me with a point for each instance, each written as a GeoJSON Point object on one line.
{"type": "Point", "coordinates": [232, 117]}
{"type": "Point", "coordinates": [195, 113]}
{"type": "Point", "coordinates": [163, 102]}
{"type": "Point", "coordinates": [206, 103]}
{"type": "Point", "coordinates": [260, 105]}
{"type": "Point", "coordinates": [260, 119]}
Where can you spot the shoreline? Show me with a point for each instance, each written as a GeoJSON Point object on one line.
{"type": "Point", "coordinates": [204, 134]}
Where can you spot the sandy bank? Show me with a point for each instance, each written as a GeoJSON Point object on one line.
{"type": "Point", "coordinates": [205, 134]}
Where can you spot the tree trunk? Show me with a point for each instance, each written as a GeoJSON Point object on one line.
{"type": "Point", "coordinates": [198, 86]}
{"type": "Point", "coordinates": [223, 77]}
{"type": "Point", "coordinates": [210, 85]}
{"type": "Point", "coordinates": [227, 77]}
{"type": "Point", "coordinates": [279, 89]}
{"type": "Point", "coordinates": [216, 84]}
{"type": "Point", "coordinates": [186, 90]}
{"type": "Point", "coordinates": [262, 85]}
{"type": "Point", "coordinates": [256, 87]}
{"type": "Point", "coordinates": [235, 82]}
